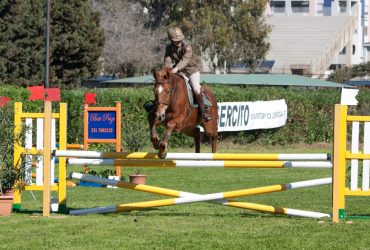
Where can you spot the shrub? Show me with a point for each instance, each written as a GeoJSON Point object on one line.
{"type": "Point", "coordinates": [310, 113]}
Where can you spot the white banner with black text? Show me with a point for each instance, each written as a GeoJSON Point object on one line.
{"type": "Point", "coordinates": [239, 116]}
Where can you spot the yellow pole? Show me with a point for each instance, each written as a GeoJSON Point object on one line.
{"type": "Point", "coordinates": [225, 195]}
{"type": "Point", "coordinates": [47, 158]}
{"type": "Point", "coordinates": [339, 166]}
{"type": "Point", "coordinates": [62, 185]}
{"type": "Point", "coordinates": [149, 189]}
{"type": "Point", "coordinates": [17, 152]}
{"type": "Point", "coordinates": [175, 193]}
{"type": "Point", "coordinates": [257, 207]}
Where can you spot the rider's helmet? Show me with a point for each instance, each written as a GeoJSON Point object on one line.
{"type": "Point", "coordinates": [175, 34]}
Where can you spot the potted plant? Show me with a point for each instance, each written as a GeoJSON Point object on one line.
{"type": "Point", "coordinates": [8, 174]}
{"type": "Point", "coordinates": [137, 177]}
{"type": "Point", "coordinates": [7, 181]}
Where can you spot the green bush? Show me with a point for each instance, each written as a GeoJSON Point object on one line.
{"type": "Point", "coordinates": [310, 113]}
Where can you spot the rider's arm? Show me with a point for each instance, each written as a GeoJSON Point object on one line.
{"type": "Point", "coordinates": [167, 58]}
{"type": "Point", "coordinates": [186, 58]}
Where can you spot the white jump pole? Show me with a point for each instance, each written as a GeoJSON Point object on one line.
{"type": "Point", "coordinates": [193, 163]}
{"type": "Point", "coordinates": [192, 156]}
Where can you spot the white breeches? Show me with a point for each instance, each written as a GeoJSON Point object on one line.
{"type": "Point", "coordinates": [195, 82]}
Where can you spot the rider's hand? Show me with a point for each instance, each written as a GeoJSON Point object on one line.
{"type": "Point", "coordinates": [175, 70]}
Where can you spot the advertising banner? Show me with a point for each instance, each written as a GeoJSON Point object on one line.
{"type": "Point", "coordinates": [239, 116]}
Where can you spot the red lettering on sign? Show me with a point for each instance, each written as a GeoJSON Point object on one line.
{"type": "Point", "coordinates": [95, 118]}
{"type": "Point", "coordinates": [109, 118]}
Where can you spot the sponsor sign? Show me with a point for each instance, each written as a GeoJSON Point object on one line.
{"type": "Point", "coordinates": [239, 116]}
{"type": "Point", "coordinates": [102, 125]}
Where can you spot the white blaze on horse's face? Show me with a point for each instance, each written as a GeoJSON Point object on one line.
{"type": "Point", "coordinates": [162, 97]}
{"type": "Point", "coordinates": [159, 89]}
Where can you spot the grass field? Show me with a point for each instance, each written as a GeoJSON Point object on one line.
{"type": "Point", "coordinates": [194, 226]}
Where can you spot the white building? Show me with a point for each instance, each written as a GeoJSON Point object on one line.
{"type": "Point", "coordinates": [311, 37]}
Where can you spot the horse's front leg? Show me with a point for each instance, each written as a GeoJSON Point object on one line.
{"type": "Point", "coordinates": [153, 131]}
{"type": "Point", "coordinates": [163, 145]}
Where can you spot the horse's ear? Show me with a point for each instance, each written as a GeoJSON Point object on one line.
{"type": "Point", "coordinates": [168, 71]}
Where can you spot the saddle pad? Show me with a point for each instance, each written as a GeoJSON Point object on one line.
{"type": "Point", "coordinates": [191, 97]}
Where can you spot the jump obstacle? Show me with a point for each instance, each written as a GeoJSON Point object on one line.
{"type": "Point", "coordinates": [186, 197]}
{"type": "Point", "coordinates": [32, 149]}
{"type": "Point", "coordinates": [192, 156]}
{"type": "Point", "coordinates": [340, 190]}
{"type": "Point", "coordinates": [341, 155]}
{"type": "Point", "coordinates": [196, 160]}
{"type": "Point", "coordinates": [143, 159]}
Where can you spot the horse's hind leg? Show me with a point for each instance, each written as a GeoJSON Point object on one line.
{"type": "Point", "coordinates": [213, 136]}
{"type": "Point", "coordinates": [195, 133]}
{"type": "Point", "coordinates": [214, 143]}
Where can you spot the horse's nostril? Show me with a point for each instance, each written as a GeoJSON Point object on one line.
{"type": "Point", "coordinates": [159, 117]}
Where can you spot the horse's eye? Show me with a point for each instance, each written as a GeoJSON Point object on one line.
{"type": "Point", "coordinates": [165, 77]}
{"type": "Point", "coordinates": [167, 91]}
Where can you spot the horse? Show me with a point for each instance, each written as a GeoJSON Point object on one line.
{"type": "Point", "coordinates": [172, 109]}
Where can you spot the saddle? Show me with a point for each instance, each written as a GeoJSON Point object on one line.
{"type": "Point", "coordinates": [191, 95]}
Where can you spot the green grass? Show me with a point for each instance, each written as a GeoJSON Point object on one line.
{"type": "Point", "coordinates": [193, 226]}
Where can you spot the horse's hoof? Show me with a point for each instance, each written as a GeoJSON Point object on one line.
{"type": "Point", "coordinates": [162, 155]}
{"type": "Point", "coordinates": [162, 150]}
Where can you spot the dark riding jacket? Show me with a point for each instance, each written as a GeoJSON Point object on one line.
{"type": "Point", "coordinates": [183, 58]}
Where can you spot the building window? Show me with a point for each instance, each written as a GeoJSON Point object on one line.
{"type": "Point", "coordinates": [343, 52]}
{"type": "Point", "coordinates": [300, 6]}
{"type": "Point", "coordinates": [297, 72]}
{"type": "Point", "coordinates": [342, 6]}
{"type": "Point", "coordinates": [277, 6]}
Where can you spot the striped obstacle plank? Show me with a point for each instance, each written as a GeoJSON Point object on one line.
{"type": "Point", "coordinates": [193, 163]}
{"type": "Point", "coordinates": [192, 156]}
{"type": "Point", "coordinates": [186, 197]}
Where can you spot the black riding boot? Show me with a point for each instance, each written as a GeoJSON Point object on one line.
{"type": "Point", "coordinates": [201, 105]}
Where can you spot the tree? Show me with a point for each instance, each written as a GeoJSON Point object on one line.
{"type": "Point", "coordinates": [21, 42]}
{"type": "Point", "coordinates": [76, 42]}
{"type": "Point", "coordinates": [348, 72]}
{"type": "Point", "coordinates": [130, 49]}
{"type": "Point", "coordinates": [225, 31]}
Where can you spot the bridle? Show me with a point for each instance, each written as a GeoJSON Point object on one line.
{"type": "Point", "coordinates": [172, 94]}
{"type": "Point", "coordinates": [172, 90]}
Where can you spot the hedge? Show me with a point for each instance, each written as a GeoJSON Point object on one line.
{"type": "Point", "coordinates": [310, 112]}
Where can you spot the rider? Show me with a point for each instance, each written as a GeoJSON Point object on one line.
{"type": "Point", "coordinates": [181, 58]}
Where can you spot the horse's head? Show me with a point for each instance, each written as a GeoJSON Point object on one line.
{"type": "Point", "coordinates": [163, 88]}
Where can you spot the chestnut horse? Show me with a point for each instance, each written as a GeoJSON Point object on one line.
{"type": "Point", "coordinates": [173, 110]}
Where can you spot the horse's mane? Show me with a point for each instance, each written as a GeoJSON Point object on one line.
{"type": "Point", "coordinates": [175, 78]}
